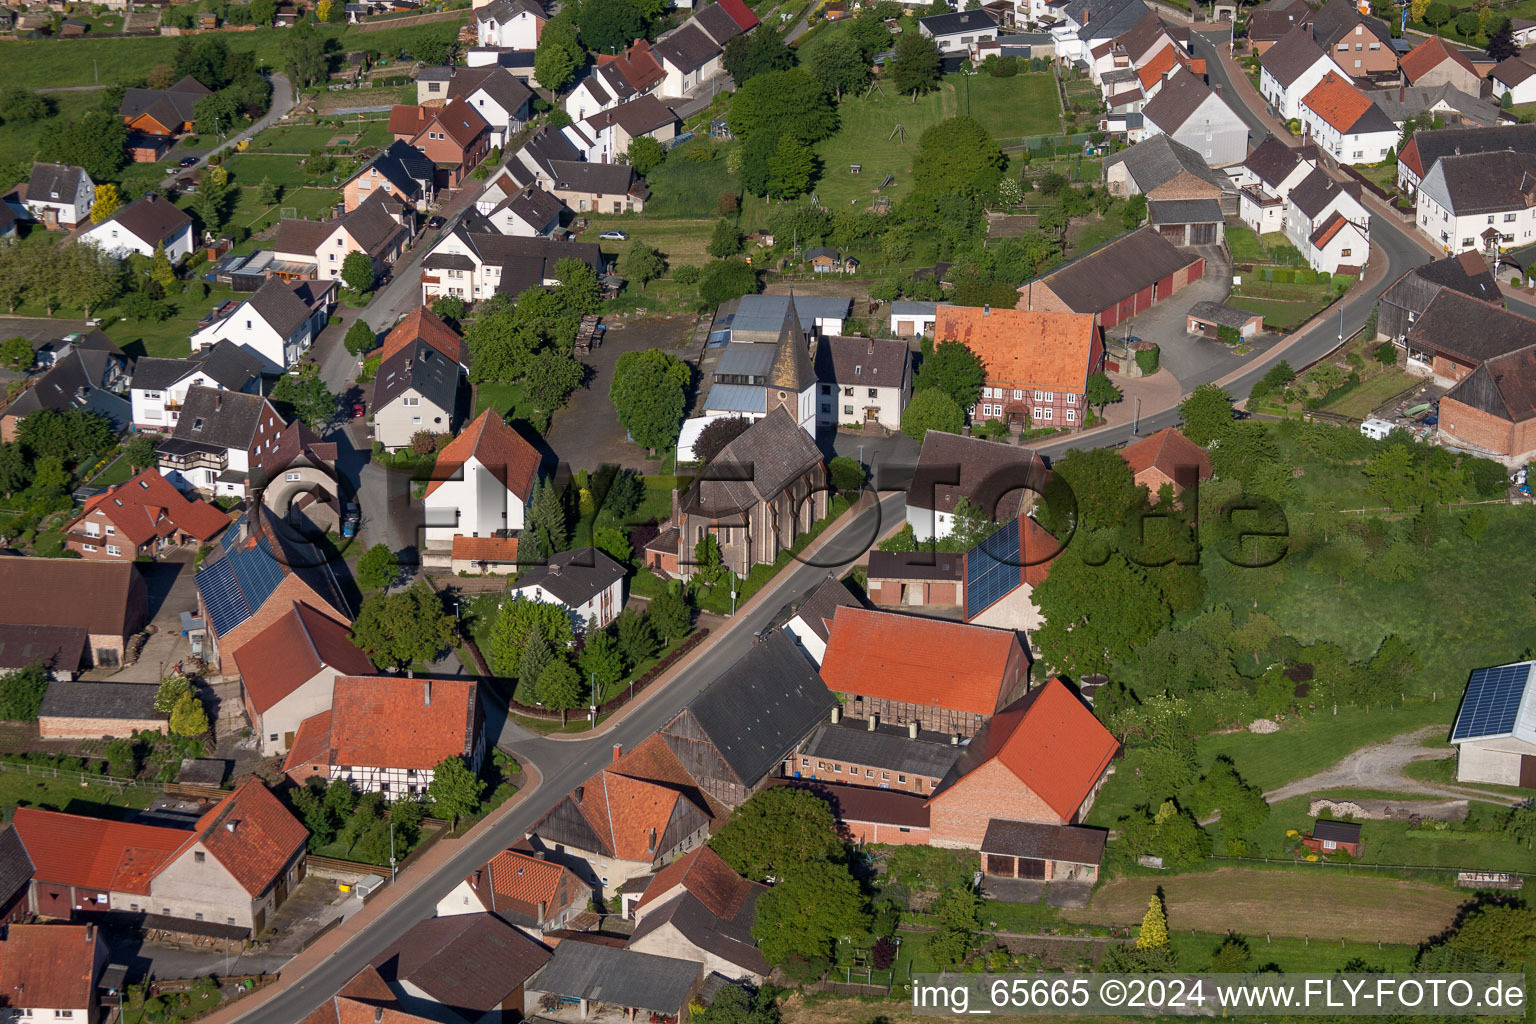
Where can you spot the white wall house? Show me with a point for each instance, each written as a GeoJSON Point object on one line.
{"type": "Point", "coordinates": [473, 264]}
{"type": "Point", "coordinates": [958, 31]}
{"type": "Point", "coordinates": [862, 381]}
{"type": "Point", "coordinates": [1188, 111]}
{"type": "Point", "coordinates": [510, 24]}
{"type": "Point", "coordinates": [1345, 124]}
{"type": "Point", "coordinates": [159, 388]}
{"type": "Point", "coordinates": [141, 226]}
{"type": "Point", "coordinates": [913, 319]}
{"type": "Point", "coordinates": [1462, 198]}
{"type": "Point", "coordinates": [484, 480]}
{"type": "Point", "coordinates": [586, 582]}
{"type": "Point", "coordinates": [1495, 730]}
{"type": "Point", "coordinates": [1516, 78]}
{"type": "Point", "coordinates": [221, 435]}
{"type": "Point", "coordinates": [278, 323]}
{"type": "Point", "coordinates": [1292, 68]}
{"type": "Point", "coordinates": [60, 195]}
{"type": "Point", "coordinates": [1326, 223]}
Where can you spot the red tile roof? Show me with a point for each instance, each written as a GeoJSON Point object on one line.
{"type": "Point", "coordinates": [1323, 235]}
{"type": "Point", "coordinates": [1336, 101]}
{"type": "Point", "coordinates": [485, 549]}
{"type": "Point", "coordinates": [1164, 61]}
{"type": "Point", "coordinates": [495, 446]}
{"type": "Point", "coordinates": [1039, 549]}
{"type": "Point", "coordinates": [1045, 350]}
{"type": "Point", "coordinates": [740, 13]}
{"type": "Point", "coordinates": [48, 966]}
{"type": "Point", "coordinates": [149, 506]}
{"type": "Point", "coordinates": [457, 119]}
{"type": "Point", "coordinates": [913, 659]}
{"type": "Point", "coordinates": [252, 835]}
{"type": "Point", "coordinates": [630, 802]}
{"type": "Point", "coordinates": [1051, 742]}
{"type": "Point", "coordinates": [421, 324]}
{"type": "Point", "coordinates": [366, 999]}
{"type": "Point", "coordinates": [391, 722]}
{"type": "Point", "coordinates": [1167, 450]}
{"type": "Point", "coordinates": [520, 877]}
{"type": "Point", "coordinates": [71, 849]}
{"type": "Point", "coordinates": [707, 877]}
{"type": "Point", "coordinates": [1430, 54]}
{"type": "Point", "coordinates": [291, 651]}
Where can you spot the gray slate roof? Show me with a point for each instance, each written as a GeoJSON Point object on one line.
{"type": "Point", "coordinates": [1314, 192]}
{"type": "Point", "coordinates": [762, 706]}
{"type": "Point", "coordinates": [575, 576]}
{"type": "Point", "coordinates": [1401, 104]}
{"type": "Point", "coordinates": [991, 475]}
{"type": "Point", "coordinates": [466, 963]}
{"type": "Point", "coordinates": [906, 308]}
{"type": "Point", "coordinates": [1158, 160]}
{"type": "Point", "coordinates": [55, 182]}
{"type": "Point", "coordinates": [152, 219]}
{"type": "Point", "coordinates": [1477, 183]}
{"type": "Point", "coordinates": [747, 359]}
{"type": "Point", "coordinates": [15, 865]}
{"type": "Point", "coordinates": [1116, 271]}
{"type": "Point", "coordinates": [865, 362]}
{"type": "Point", "coordinates": [619, 977]}
{"type": "Point", "coordinates": [1184, 211]}
{"type": "Point", "coordinates": [687, 49]}
{"type": "Point", "coordinates": [717, 24]}
{"type": "Point", "coordinates": [222, 419]}
{"type": "Point", "coordinates": [1177, 101]}
{"type": "Point", "coordinates": [736, 398]}
{"type": "Point", "coordinates": [884, 747]}
{"type": "Point", "coordinates": [423, 368]}
{"type": "Point", "coordinates": [1469, 329]}
{"type": "Point", "coordinates": [823, 603]}
{"type": "Point", "coordinates": [730, 939]}
{"type": "Point", "coordinates": [227, 363]}
{"type": "Point", "coordinates": [956, 22]}
{"type": "Point", "coordinates": [777, 452]}
{"type": "Point", "coordinates": [1294, 53]}
{"type": "Point", "coordinates": [100, 700]}
{"type": "Point", "coordinates": [1432, 145]}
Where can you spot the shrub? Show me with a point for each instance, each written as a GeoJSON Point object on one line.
{"type": "Point", "coordinates": [1385, 353]}
{"type": "Point", "coordinates": [686, 274]}
{"type": "Point", "coordinates": [1147, 360]}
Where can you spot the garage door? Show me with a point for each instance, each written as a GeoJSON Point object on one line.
{"type": "Point", "coordinates": [905, 327]}
{"type": "Point", "coordinates": [1527, 772]}
{"type": "Point", "coordinates": [1202, 234]}
{"type": "Point", "coordinates": [1173, 232]}
{"type": "Point", "coordinates": [1031, 868]}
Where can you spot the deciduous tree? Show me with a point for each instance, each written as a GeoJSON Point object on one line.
{"type": "Point", "coordinates": [916, 66]}
{"type": "Point", "coordinates": [778, 829]}
{"type": "Point", "coordinates": [106, 203]}
{"type": "Point", "coordinates": [397, 629]}
{"type": "Point", "coordinates": [953, 369]}
{"type": "Point", "coordinates": [378, 569]}
{"type": "Point", "coordinates": [357, 272]}
{"type": "Point", "coordinates": [648, 394]}
{"type": "Point", "coordinates": [189, 717]}
{"type": "Point", "coordinates": [455, 790]}
{"type": "Point", "coordinates": [22, 692]}
{"type": "Point", "coordinates": [932, 409]}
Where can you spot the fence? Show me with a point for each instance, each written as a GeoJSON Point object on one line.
{"type": "Point", "coordinates": [1324, 862]}
{"type": "Point", "coordinates": [354, 866]}
{"type": "Point", "coordinates": [84, 778]}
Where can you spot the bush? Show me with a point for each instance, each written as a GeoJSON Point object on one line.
{"type": "Point", "coordinates": [1147, 360]}
{"type": "Point", "coordinates": [1385, 353]}
{"type": "Point", "coordinates": [686, 274]}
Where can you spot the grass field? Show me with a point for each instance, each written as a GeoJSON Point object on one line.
{"type": "Point", "coordinates": [250, 168]}
{"type": "Point", "coordinates": [50, 63]}
{"type": "Point", "coordinates": [507, 399]}
{"type": "Point", "coordinates": [1302, 747]}
{"type": "Point", "coordinates": [1321, 904]}
{"type": "Point", "coordinates": [1279, 315]}
{"type": "Point", "coordinates": [171, 338]}
{"type": "Point", "coordinates": [1244, 245]}
{"type": "Point", "coordinates": [1288, 954]}
{"type": "Point", "coordinates": [21, 141]}
{"type": "Point", "coordinates": [679, 239]}
{"type": "Point", "coordinates": [1008, 107]}
{"type": "Point", "coordinates": [20, 790]}
{"type": "Point", "coordinates": [685, 186]}
{"type": "Point", "coordinates": [1373, 392]}
{"type": "Point", "coordinates": [303, 139]}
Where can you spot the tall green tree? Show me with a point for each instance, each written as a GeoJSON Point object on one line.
{"type": "Point", "coordinates": [783, 101]}
{"type": "Point", "coordinates": [547, 518]}
{"type": "Point", "coordinates": [778, 829]}
{"type": "Point", "coordinates": [308, 397]}
{"type": "Point", "coordinates": [756, 53]}
{"type": "Point", "coordinates": [455, 790]}
{"type": "Point", "coordinates": [726, 240]}
{"type": "Point", "coordinates": [931, 409]}
{"type": "Point", "coordinates": [357, 272]}
{"type": "Point", "coordinates": [792, 169]}
{"type": "Point", "coordinates": [1082, 633]}
{"type": "Point", "coordinates": [915, 68]}
{"type": "Point", "coordinates": [640, 262]}
{"type": "Point", "coordinates": [560, 686]}
{"type": "Point", "coordinates": [645, 154]}
{"type": "Point", "coordinates": [954, 370]}
{"type": "Point", "coordinates": [648, 392]}
{"type": "Point", "coordinates": [814, 905]}
{"type": "Point", "coordinates": [22, 692]}
{"type": "Point", "coordinates": [957, 153]}
{"type": "Point", "coordinates": [398, 629]}
{"type": "Point", "coordinates": [378, 568]}
{"type": "Point", "coordinates": [839, 65]}
{"type": "Point", "coordinates": [1207, 414]}
{"type": "Point", "coordinates": [517, 621]}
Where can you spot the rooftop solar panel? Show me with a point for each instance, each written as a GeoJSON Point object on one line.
{"type": "Point", "coordinates": [992, 570]}
{"type": "Point", "coordinates": [1492, 701]}
{"type": "Point", "coordinates": [221, 594]}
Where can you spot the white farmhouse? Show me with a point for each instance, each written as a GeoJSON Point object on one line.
{"type": "Point", "coordinates": [862, 381]}
{"type": "Point", "coordinates": [1478, 200]}
{"type": "Point", "coordinates": [159, 388]}
{"type": "Point", "coordinates": [510, 24]}
{"type": "Point", "coordinates": [1344, 122]}
{"type": "Point", "coordinates": [141, 226]}
{"type": "Point", "coordinates": [482, 482]}
{"type": "Point", "coordinates": [1292, 68]}
{"type": "Point", "coordinates": [278, 323]}
{"type": "Point", "coordinates": [60, 195]}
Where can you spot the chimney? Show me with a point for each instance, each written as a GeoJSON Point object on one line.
{"type": "Point", "coordinates": [426, 693]}
{"type": "Point", "coordinates": [554, 568]}
{"type": "Point", "coordinates": [618, 751]}
{"type": "Point", "coordinates": [218, 400]}
{"type": "Point", "coordinates": [870, 349]}
{"type": "Point", "coordinates": [580, 792]}
{"type": "Point", "coordinates": [874, 722]}
{"type": "Point", "coordinates": [474, 880]}
{"type": "Point", "coordinates": [954, 740]}
{"type": "Point", "coordinates": [912, 730]}
{"type": "Point", "coordinates": [378, 1014]}
{"type": "Point", "coordinates": [837, 713]}
{"type": "Point", "coordinates": [650, 842]}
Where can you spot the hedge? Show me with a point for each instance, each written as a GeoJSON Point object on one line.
{"type": "Point", "coordinates": [1147, 360]}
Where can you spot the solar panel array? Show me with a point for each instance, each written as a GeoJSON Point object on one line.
{"type": "Point", "coordinates": [1492, 701]}
{"type": "Point", "coordinates": [238, 583]}
{"type": "Point", "coordinates": [992, 570]}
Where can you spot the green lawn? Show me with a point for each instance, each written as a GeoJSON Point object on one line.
{"type": "Point", "coordinates": [171, 338]}
{"type": "Point", "coordinates": [1279, 315]}
{"type": "Point", "coordinates": [1011, 108]}
{"type": "Point", "coordinates": [1194, 953]}
{"type": "Point", "coordinates": [681, 240]}
{"type": "Point", "coordinates": [116, 472]}
{"type": "Point", "coordinates": [507, 399]}
{"type": "Point", "coordinates": [20, 790]}
{"type": "Point", "coordinates": [21, 141]}
{"type": "Point", "coordinates": [1244, 245]}
{"type": "Point", "coordinates": [1373, 392]}
{"type": "Point", "coordinates": [688, 185]}
{"type": "Point", "coordinates": [250, 168]}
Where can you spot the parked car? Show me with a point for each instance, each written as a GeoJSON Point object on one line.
{"type": "Point", "coordinates": [359, 410]}
{"type": "Point", "coordinates": [614, 236]}
{"type": "Point", "coordinates": [188, 161]}
{"type": "Point", "coordinates": [435, 223]}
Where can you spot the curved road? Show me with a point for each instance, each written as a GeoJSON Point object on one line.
{"type": "Point", "coordinates": [564, 764]}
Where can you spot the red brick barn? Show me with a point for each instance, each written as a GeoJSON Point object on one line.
{"type": "Point", "coordinates": [1115, 282]}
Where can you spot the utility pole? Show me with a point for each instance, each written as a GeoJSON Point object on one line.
{"type": "Point", "coordinates": [392, 872]}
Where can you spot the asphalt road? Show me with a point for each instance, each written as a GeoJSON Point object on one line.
{"type": "Point", "coordinates": [282, 103]}
{"type": "Point", "coordinates": [564, 764]}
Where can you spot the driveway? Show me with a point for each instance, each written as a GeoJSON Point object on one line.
{"type": "Point", "coordinates": [172, 591]}
{"type": "Point", "coordinates": [1380, 766]}
{"type": "Point", "coordinates": [282, 103]}
{"type": "Point", "coordinates": [586, 434]}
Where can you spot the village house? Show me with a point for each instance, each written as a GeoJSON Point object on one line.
{"type": "Point", "coordinates": [738, 732]}
{"type": "Point", "coordinates": [605, 137]}
{"type": "Point", "coordinates": [1167, 459]}
{"type": "Point", "coordinates": [1458, 333]}
{"type": "Point", "coordinates": [895, 669]}
{"type": "Point", "coordinates": [1493, 409]}
{"type": "Point", "coordinates": [59, 195]}
{"type": "Point", "coordinates": [991, 585]}
{"type": "Point", "coordinates": [233, 869]}
{"type": "Point", "coordinates": [108, 600]}
{"type": "Point", "coordinates": [811, 623]}
{"type": "Point", "coordinates": [158, 391]}
{"type": "Point", "coordinates": [1345, 124]}
{"type": "Point", "coordinates": [219, 440]}
{"type": "Point", "coordinates": [157, 117]}
{"type": "Point", "coordinates": [862, 382]}
{"type": "Point", "coordinates": [388, 734]}
{"type": "Point", "coordinates": [453, 136]}
{"type": "Point", "coordinates": [958, 31]}
{"type": "Point", "coordinates": [514, 24]}
{"type": "Point", "coordinates": [15, 876]}
{"type": "Point", "coordinates": [1041, 759]}
{"type": "Point", "coordinates": [1327, 223]}
{"type": "Point", "coordinates": [551, 161]}
{"type": "Point", "coordinates": [415, 391]}
{"type": "Point", "coordinates": [755, 518]}
{"type": "Point", "coordinates": [1514, 78]}
{"type": "Point", "coordinates": [365, 996]}
{"type": "Point", "coordinates": [526, 891]}
{"type": "Point", "coordinates": [400, 170]}
{"type": "Point", "coordinates": [1000, 480]}
{"type": "Point", "coordinates": [143, 226]}
{"type": "Point", "coordinates": [1291, 69]}
{"type": "Point", "coordinates": [497, 95]}
{"type": "Point", "coordinates": [482, 482]}
{"type": "Point", "coordinates": [1426, 148]}
{"type": "Point", "coordinates": [514, 209]}
{"type": "Point", "coordinates": [476, 264]}
{"type": "Point", "coordinates": [288, 671]}
{"type": "Point", "coordinates": [1266, 179]}
{"type": "Point", "coordinates": [254, 576]}
{"type": "Point", "coordinates": [1483, 201]}
{"type": "Point", "coordinates": [1361, 45]}
{"type": "Point", "coordinates": [1079, 29]}
{"type": "Point", "coordinates": [616, 79]}
{"type": "Point", "coordinates": [1162, 168]}
{"type": "Point", "coordinates": [1406, 299]}
{"type": "Point", "coordinates": [698, 909]}
{"type": "Point", "coordinates": [1037, 363]}
{"type": "Point", "coordinates": [278, 323]}
{"type": "Point", "coordinates": [627, 820]}
{"type": "Point", "coordinates": [1116, 281]}
{"type": "Point", "coordinates": [1188, 110]}
{"type": "Point", "coordinates": [87, 373]}
{"type": "Point", "coordinates": [1437, 62]}
{"type": "Point", "coordinates": [298, 483]}
{"type": "Point", "coordinates": [913, 319]}
{"type": "Point", "coordinates": [586, 582]}
{"type": "Point", "coordinates": [141, 517]}
{"type": "Point", "coordinates": [691, 54]}
{"type": "Point", "coordinates": [1268, 25]}
{"type": "Point", "coordinates": [465, 969]}
{"type": "Point", "coordinates": [51, 972]}
{"type": "Point", "coordinates": [379, 227]}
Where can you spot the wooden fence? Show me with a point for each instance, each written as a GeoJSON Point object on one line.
{"type": "Point", "coordinates": [1324, 862]}
{"type": "Point", "coordinates": [84, 778]}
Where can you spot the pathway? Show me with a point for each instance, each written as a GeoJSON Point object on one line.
{"type": "Point", "coordinates": [282, 103]}
{"type": "Point", "coordinates": [1380, 767]}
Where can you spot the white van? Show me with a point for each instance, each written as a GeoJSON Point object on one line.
{"type": "Point", "coordinates": [1375, 428]}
